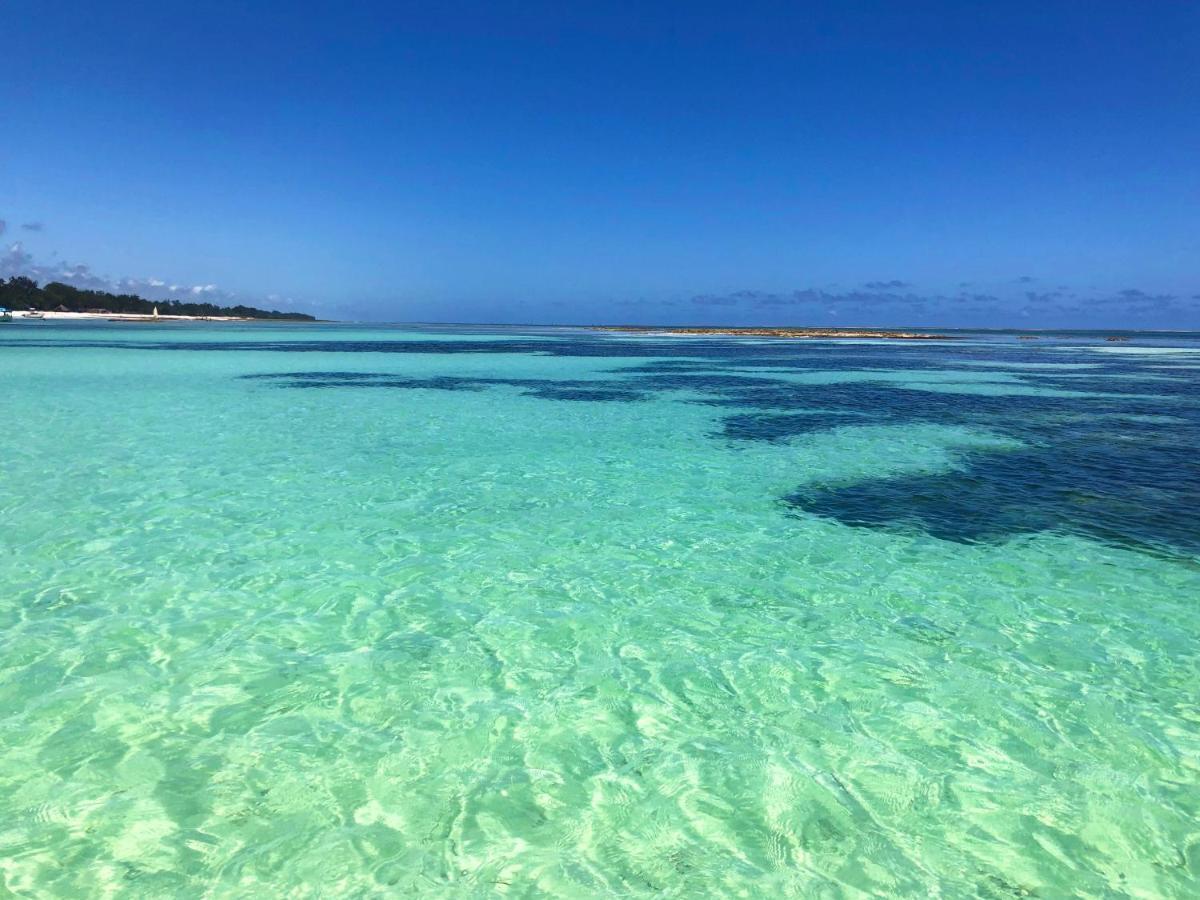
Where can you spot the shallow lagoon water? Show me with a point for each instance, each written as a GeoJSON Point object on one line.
{"type": "Point", "coordinates": [335, 610]}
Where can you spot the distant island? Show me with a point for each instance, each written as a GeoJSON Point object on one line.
{"type": "Point", "coordinates": [783, 332]}
{"type": "Point", "coordinates": [21, 292]}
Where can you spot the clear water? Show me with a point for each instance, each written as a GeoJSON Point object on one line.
{"type": "Point", "coordinates": [336, 611]}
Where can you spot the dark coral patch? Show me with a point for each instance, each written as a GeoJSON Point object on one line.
{"type": "Point", "coordinates": [1103, 461]}
{"type": "Point", "coordinates": [1142, 498]}
{"type": "Point", "coordinates": [755, 427]}
{"type": "Point", "coordinates": [544, 388]}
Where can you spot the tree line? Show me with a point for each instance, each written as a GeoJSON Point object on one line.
{"type": "Point", "coordinates": [20, 292]}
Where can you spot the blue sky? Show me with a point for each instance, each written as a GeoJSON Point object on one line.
{"type": "Point", "coordinates": [998, 164]}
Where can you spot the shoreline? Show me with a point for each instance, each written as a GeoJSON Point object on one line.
{"type": "Point", "coordinates": [19, 315]}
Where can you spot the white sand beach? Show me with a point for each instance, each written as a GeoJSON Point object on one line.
{"type": "Point", "coordinates": [26, 315]}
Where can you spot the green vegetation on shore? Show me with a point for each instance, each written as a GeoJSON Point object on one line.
{"type": "Point", "coordinates": [20, 292]}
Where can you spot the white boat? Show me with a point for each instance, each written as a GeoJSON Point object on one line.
{"type": "Point", "coordinates": [34, 314]}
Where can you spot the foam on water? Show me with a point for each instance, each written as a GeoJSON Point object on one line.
{"type": "Point", "coordinates": [347, 611]}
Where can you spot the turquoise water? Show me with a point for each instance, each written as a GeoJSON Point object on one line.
{"type": "Point", "coordinates": [335, 611]}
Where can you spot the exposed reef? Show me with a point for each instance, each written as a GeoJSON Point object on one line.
{"type": "Point", "coordinates": [819, 333]}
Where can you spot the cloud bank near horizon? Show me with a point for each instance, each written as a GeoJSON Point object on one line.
{"type": "Point", "coordinates": [17, 261]}
{"type": "Point", "coordinates": [897, 301]}
{"type": "Point", "coordinates": [1016, 302]}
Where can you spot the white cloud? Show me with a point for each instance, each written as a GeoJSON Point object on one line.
{"type": "Point", "coordinates": [16, 260]}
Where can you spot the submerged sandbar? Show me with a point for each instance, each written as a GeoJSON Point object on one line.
{"type": "Point", "coordinates": [783, 332]}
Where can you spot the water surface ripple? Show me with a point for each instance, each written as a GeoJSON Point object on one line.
{"type": "Point", "coordinates": [369, 611]}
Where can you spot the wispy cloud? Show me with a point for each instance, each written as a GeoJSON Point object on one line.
{"type": "Point", "coordinates": [893, 285]}
{"type": "Point", "coordinates": [1043, 297]}
{"type": "Point", "coordinates": [1060, 307]}
{"type": "Point", "coordinates": [16, 260]}
{"type": "Point", "coordinates": [1133, 297]}
{"type": "Point", "coordinates": [1130, 305]}
{"type": "Point", "coordinates": [717, 300]}
{"type": "Point", "coordinates": [812, 297]}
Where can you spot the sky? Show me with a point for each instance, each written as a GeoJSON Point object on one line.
{"type": "Point", "coordinates": [1004, 164]}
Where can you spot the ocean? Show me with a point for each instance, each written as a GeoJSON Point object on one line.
{"type": "Point", "coordinates": [344, 610]}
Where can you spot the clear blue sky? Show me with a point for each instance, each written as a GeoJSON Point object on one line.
{"type": "Point", "coordinates": [1004, 163]}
